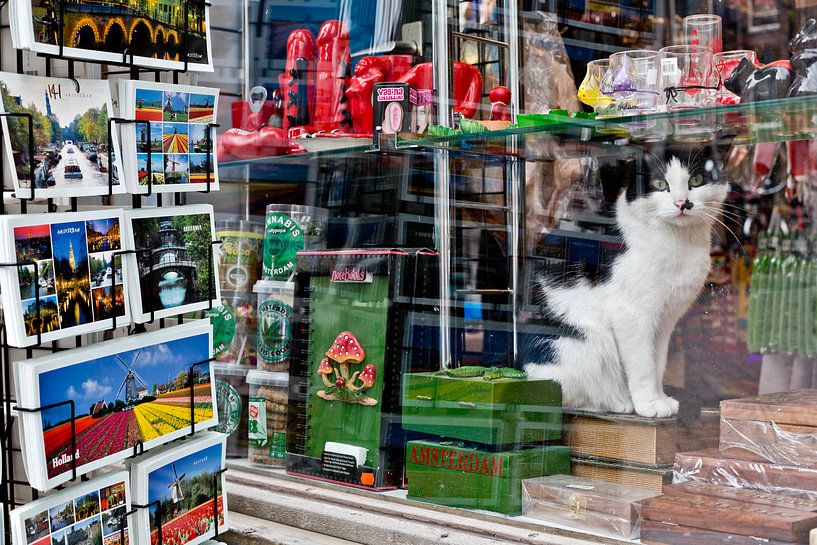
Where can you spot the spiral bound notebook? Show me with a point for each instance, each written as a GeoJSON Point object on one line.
{"type": "Point", "coordinates": [364, 318]}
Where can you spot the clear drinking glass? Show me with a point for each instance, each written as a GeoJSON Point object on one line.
{"type": "Point", "coordinates": [686, 77]}
{"type": "Point", "coordinates": [704, 31]}
{"type": "Point", "coordinates": [590, 92]}
{"type": "Point", "coordinates": [633, 81]}
{"type": "Point", "coordinates": [725, 63]}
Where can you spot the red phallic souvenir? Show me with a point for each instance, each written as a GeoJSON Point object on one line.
{"type": "Point", "coordinates": [500, 97]}
{"type": "Point", "coordinates": [297, 83]}
{"type": "Point", "coordinates": [368, 71]}
{"type": "Point", "coordinates": [333, 75]}
{"type": "Point", "coordinates": [238, 144]}
{"type": "Point", "coordinates": [467, 85]}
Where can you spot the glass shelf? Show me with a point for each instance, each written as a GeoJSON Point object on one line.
{"type": "Point", "coordinates": [557, 136]}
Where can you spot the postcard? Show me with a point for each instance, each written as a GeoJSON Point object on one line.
{"type": "Point", "coordinates": [125, 391]}
{"type": "Point", "coordinates": [68, 268]}
{"type": "Point", "coordinates": [158, 34]}
{"type": "Point", "coordinates": [177, 273]}
{"type": "Point", "coordinates": [183, 485]}
{"type": "Point", "coordinates": [89, 513]}
{"type": "Point", "coordinates": [174, 146]}
{"type": "Point", "coordinates": [70, 136]}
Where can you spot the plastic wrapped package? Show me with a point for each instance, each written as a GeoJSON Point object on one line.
{"type": "Point", "coordinates": [242, 347]}
{"type": "Point", "coordinates": [267, 417]}
{"type": "Point", "coordinates": [780, 427]}
{"type": "Point", "coordinates": [586, 504]}
{"type": "Point", "coordinates": [547, 80]}
{"type": "Point", "coordinates": [724, 518]}
{"type": "Point", "coordinates": [743, 469]}
{"type": "Point", "coordinates": [231, 398]}
{"type": "Point", "coordinates": [779, 443]}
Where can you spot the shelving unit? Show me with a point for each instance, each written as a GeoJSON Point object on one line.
{"type": "Point", "coordinates": [488, 209]}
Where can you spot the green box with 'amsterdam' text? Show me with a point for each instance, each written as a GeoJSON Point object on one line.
{"type": "Point", "coordinates": [458, 476]}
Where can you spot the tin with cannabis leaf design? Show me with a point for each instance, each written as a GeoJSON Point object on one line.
{"type": "Point", "coordinates": [275, 300]}
{"type": "Point", "coordinates": [290, 229]}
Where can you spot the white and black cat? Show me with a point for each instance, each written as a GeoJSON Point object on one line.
{"type": "Point", "coordinates": [665, 214]}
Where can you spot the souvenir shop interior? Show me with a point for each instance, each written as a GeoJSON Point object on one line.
{"type": "Point", "coordinates": [386, 271]}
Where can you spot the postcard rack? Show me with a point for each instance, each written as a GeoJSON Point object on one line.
{"type": "Point", "coordinates": [14, 489]}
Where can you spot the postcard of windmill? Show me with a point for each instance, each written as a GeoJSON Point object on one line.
{"type": "Point", "coordinates": [171, 137]}
{"type": "Point", "coordinates": [183, 487]}
{"type": "Point", "coordinates": [125, 392]}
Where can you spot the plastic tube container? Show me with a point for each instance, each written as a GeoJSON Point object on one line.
{"type": "Point", "coordinates": [289, 229]}
{"type": "Point", "coordinates": [232, 396]}
{"type": "Point", "coordinates": [243, 345]}
{"type": "Point", "coordinates": [267, 417]}
{"type": "Point", "coordinates": [240, 253]}
{"type": "Point", "coordinates": [274, 338]}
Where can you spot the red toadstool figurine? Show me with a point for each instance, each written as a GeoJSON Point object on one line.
{"type": "Point", "coordinates": [346, 349]}
{"type": "Point", "coordinates": [368, 376]}
{"type": "Point", "coordinates": [325, 370]}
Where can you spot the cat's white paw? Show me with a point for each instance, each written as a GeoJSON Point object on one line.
{"type": "Point", "coordinates": [622, 407]}
{"type": "Point", "coordinates": [657, 408]}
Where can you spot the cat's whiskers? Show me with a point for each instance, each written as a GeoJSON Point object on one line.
{"type": "Point", "coordinates": [704, 212]}
{"type": "Point", "coordinates": [715, 205]}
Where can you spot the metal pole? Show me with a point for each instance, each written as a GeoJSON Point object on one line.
{"type": "Point", "coordinates": [441, 66]}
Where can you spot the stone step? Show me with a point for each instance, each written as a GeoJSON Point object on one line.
{"type": "Point", "coordinates": [368, 518]}
{"type": "Point", "coordinates": [247, 530]}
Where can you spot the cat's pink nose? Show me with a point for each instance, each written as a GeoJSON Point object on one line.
{"type": "Point", "coordinates": [684, 204]}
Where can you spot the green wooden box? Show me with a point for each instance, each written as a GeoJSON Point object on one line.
{"type": "Point", "coordinates": [456, 476]}
{"type": "Point", "coordinates": [497, 412]}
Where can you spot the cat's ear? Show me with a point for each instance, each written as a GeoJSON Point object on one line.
{"type": "Point", "coordinates": [723, 147]}
{"type": "Point", "coordinates": [616, 174]}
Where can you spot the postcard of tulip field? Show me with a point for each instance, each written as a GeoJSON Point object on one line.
{"type": "Point", "coordinates": [124, 392]}
{"type": "Point", "coordinates": [183, 489]}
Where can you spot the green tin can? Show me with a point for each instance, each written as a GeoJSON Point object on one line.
{"type": "Point", "coordinates": [290, 229]}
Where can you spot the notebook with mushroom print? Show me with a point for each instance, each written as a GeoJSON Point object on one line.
{"type": "Point", "coordinates": [351, 346]}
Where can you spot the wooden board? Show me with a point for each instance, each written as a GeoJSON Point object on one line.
{"type": "Point", "coordinates": [732, 517]}
{"type": "Point", "coordinates": [744, 469]}
{"type": "Point", "coordinates": [780, 443]}
{"type": "Point", "coordinates": [795, 407]}
{"type": "Point", "coordinates": [694, 488]}
{"type": "Point", "coordinates": [653, 441]}
{"type": "Point", "coordinates": [648, 478]}
{"type": "Point", "coordinates": [660, 533]}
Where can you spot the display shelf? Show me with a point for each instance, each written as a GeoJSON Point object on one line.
{"type": "Point", "coordinates": [769, 121]}
{"type": "Point", "coordinates": [307, 158]}
{"type": "Point", "coordinates": [560, 136]}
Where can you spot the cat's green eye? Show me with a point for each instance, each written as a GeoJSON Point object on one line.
{"type": "Point", "coordinates": [660, 185]}
{"type": "Point", "coordinates": [696, 180]}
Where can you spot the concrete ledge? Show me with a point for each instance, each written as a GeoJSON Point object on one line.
{"type": "Point", "coordinates": [359, 516]}
{"type": "Point", "coordinates": [247, 530]}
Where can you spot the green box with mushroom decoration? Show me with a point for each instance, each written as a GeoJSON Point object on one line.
{"type": "Point", "coordinates": [498, 407]}
{"type": "Point", "coordinates": [362, 319]}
